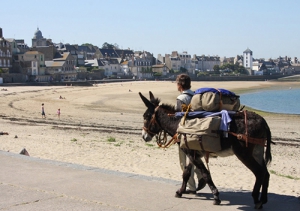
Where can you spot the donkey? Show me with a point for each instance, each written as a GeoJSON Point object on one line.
{"type": "Point", "coordinates": [247, 124]}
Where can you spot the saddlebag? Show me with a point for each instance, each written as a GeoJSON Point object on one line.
{"type": "Point", "coordinates": [210, 99]}
{"type": "Point", "coordinates": [200, 134]}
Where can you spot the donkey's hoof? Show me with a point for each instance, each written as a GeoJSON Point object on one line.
{"type": "Point", "coordinates": [258, 205]}
{"type": "Point", "coordinates": [217, 201]}
{"type": "Point", "coordinates": [178, 195]}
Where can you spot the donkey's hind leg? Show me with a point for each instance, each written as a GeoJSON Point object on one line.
{"type": "Point", "coordinates": [185, 177]}
{"type": "Point", "coordinates": [258, 168]}
{"type": "Point", "coordinates": [265, 186]}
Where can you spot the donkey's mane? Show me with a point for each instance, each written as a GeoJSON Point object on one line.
{"type": "Point", "coordinates": [168, 107]}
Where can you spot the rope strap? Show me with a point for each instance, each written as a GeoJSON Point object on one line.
{"type": "Point", "coordinates": [172, 141]}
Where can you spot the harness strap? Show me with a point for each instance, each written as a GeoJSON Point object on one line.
{"type": "Point", "coordinates": [243, 137]}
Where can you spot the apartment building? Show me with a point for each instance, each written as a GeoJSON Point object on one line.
{"type": "Point", "coordinates": [5, 52]}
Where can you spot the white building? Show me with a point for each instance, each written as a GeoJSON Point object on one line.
{"type": "Point", "coordinates": [247, 61]}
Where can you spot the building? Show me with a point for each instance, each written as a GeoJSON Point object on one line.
{"type": "Point", "coordinates": [248, 60]}
{"type": "Point", "coordinates": [32, 64]}
{"type": "Point", "coordinates": [38, 40]}
{"type": "Point", "coordinates": [205, 63]}
{"type": "Point", "coordinates": [62, 68]}
{"type": "Point", "coordinates": [5, 53]}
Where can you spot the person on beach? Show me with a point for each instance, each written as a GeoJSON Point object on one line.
{"type": "Point", "coordinates": [58, 113]}
{"type": "Point", "coordinates": [43, 111]}
{"type": "Point", "coordinates": [183, 83]}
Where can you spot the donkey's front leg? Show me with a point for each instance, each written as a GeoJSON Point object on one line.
{"type": "Point", "coordinates": [196, 160]}
{"type": "Point", "coordinates": [185, 176]}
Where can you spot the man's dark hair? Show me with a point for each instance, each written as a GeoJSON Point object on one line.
{"type": "Point", "coordinates": [184, 80]}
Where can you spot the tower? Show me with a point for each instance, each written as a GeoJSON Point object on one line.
{"type": "Point", "coordinates": [38, 39]}
{"type": "Point", "coordinates": [247, 61]}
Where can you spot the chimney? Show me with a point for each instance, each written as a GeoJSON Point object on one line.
{"type": "Point", "coordinates": [1, 33]}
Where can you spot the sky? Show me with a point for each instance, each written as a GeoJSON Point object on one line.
{"type": "Point", "coordinates": [216, 28]}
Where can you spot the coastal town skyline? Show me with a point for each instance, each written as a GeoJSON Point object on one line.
{"type": "Point", "coordinates": [215, 29]}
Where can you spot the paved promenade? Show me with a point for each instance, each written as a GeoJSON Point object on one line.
{"type": "Point", "coordinates": [28, 183]}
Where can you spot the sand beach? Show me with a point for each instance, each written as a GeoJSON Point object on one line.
{"type": "Point", "coordinates": [100, 126]}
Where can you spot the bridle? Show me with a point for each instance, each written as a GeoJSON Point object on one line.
{"type": "Point", "coordinates": [153, 122]}
{"type": "Point", "coordinates": [161, 142]}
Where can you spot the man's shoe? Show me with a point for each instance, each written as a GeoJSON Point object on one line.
{"type": "Point", "coordinates": [201, 184]}
{"type": "Point", "coordinates": [189, 192]}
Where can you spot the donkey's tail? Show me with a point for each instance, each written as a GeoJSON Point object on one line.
{"type": "Point", "coordinates": [268, 155]}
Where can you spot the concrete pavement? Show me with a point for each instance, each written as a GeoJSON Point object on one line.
{"type": "Point", "coordinates": [28, 183]}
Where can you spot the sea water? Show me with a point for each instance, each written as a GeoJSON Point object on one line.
{"type": "Point", "coordinates": [285, 101]}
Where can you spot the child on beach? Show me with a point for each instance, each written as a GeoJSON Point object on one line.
{"type": "Point", "coordinates": [43, 111]}
{"type": "Point", "coordinates": [58, 113]}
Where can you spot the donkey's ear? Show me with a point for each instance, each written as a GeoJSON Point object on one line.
{"type": "Point", "coordinates": [152, 98]}
{"type": "Point", "coordinates": [148, 104]}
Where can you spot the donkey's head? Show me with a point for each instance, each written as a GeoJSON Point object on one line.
{"type": "Point", "coordinates": [150, 127]}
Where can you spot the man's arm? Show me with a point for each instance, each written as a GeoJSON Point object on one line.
{"type": "Point", "coordinates": [178, 105]}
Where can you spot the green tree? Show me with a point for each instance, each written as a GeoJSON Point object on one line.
{"type": "Point", "coordinates": [87, 44]}
{"type": "Point", "coordinates": [108, 46]}
{"type": "Point", "coordinates": [216, 68]}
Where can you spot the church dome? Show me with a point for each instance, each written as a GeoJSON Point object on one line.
{"type": "Point", "coordinates": [38, 34]}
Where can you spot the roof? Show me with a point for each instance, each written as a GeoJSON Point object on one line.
{"type": "Point", "coordinates": [124, 52]}
{"type": "Point", "coordinates": [85, 48]}
{"type": "Point", "coordinates": [59, 57]}
{"type": "Point", "coordinates": [54, 63]}
{"type": "Point", "coordinates": [32, 52]}
{"type": "Point", "coordinates": [158, 66]}
{"type": "Point", "coordinates": [38, 34]}
{"type": "Point", "coordinates": [247, 51]}
{"type": "Point", "coordinates": [70, 47]}
{"type": "Point", "coordinates": [10, 39]}
{"type": "Point", "coordinates": [109, 52]}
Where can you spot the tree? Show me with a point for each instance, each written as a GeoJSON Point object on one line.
{"type": "Point", "coordinates": [216, 68]}
{"type": "Point", "coordinates": [108, 46]}
{"type": "Point", "coordinates": [87, 44]}
{"type": "Point", "coordinates": [183, 70]}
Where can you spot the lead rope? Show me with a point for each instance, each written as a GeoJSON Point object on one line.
{"type": "Point", "coordinates": [245, 113]}
{"type": "Point", "coordinates": [172, 141]}
{"type": "Point", "coordinates": [221, 102]}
